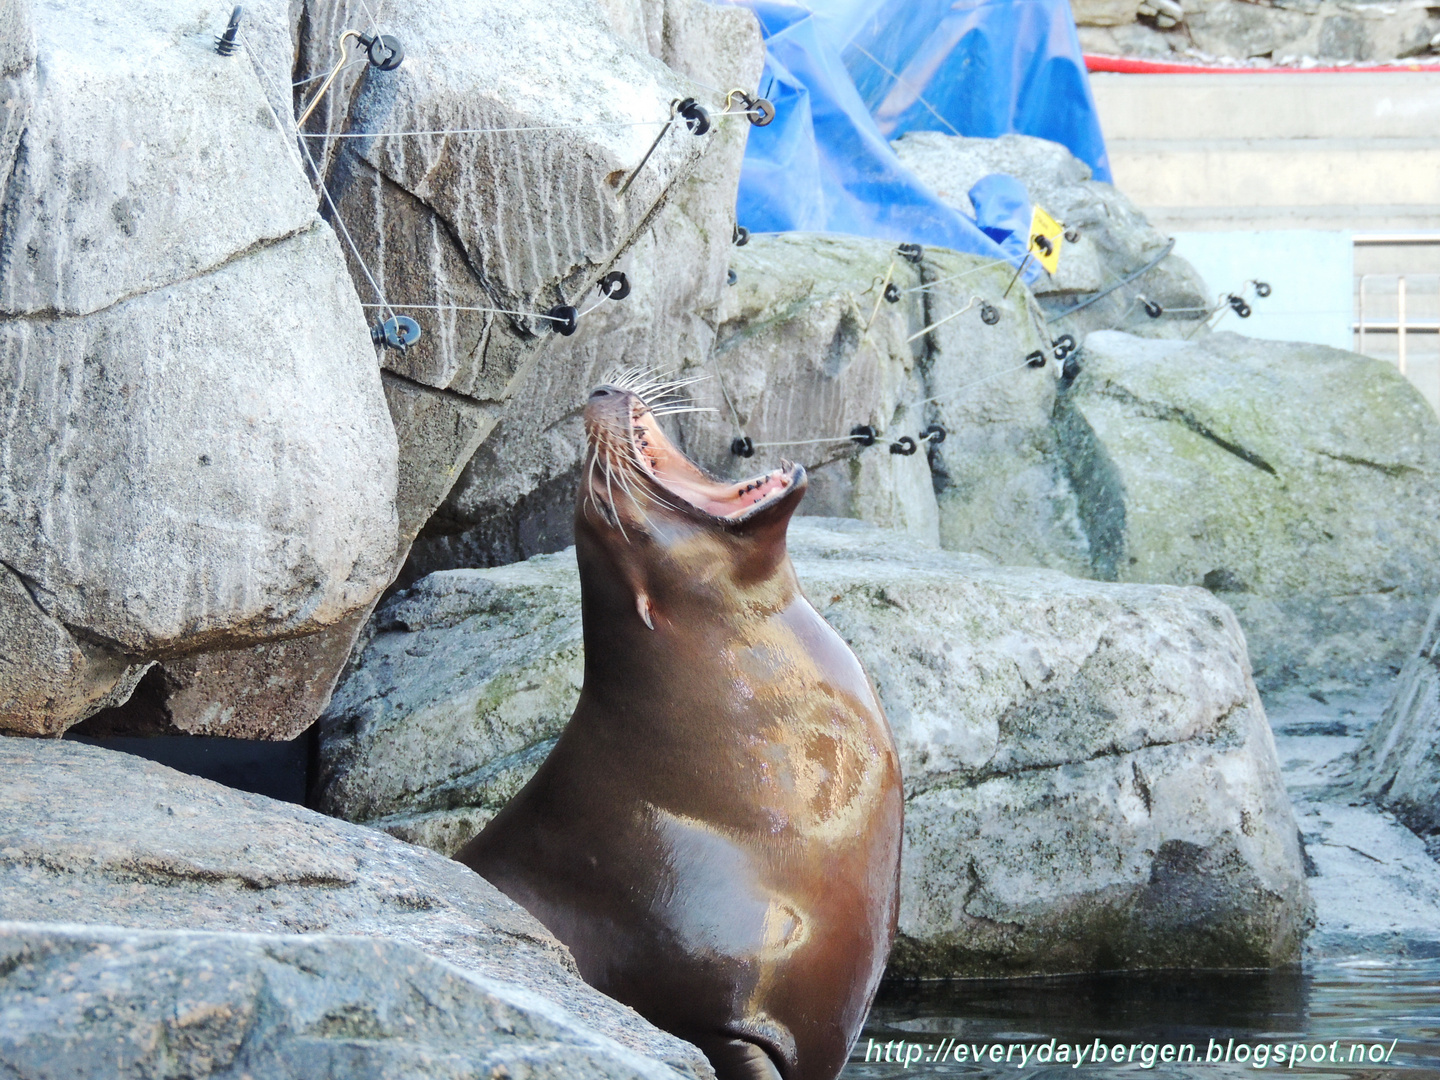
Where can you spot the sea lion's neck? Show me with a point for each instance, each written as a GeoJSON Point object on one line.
{"type": "Point", "coordinates": [658, 618]}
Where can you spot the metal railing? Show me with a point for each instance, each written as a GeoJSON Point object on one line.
{"type": "Point", "coordinates": [1401, 326]}
{"type": "Point", "coordinates": [1375, 286]}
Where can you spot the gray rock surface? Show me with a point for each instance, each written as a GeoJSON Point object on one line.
{"type": "Point", "coordinates": [272, 691]}
{"type": "Point", "coordinates": [48, 679]}
{"type": "Point", "coordinates": [1085, 763]}
{"type": "Point", "coordinates": [516, 219]}
{"type": "Point", "coordinates": [17, 77]}
{"type": "Point", "coordinates": [1114, 240]}
{"type": "Point", "coordinates": [197, 1005]}
{"type": "Point", "coordinates": [116, 190]}
{"type": "Point", "coordinates": [171, 482]}
{"type": "Point", "coordinates": [1104, 12]}
{"type": "Point", "coordinates": [1001, 487]}
{"type": "Point", "coordinates": [93, 836]}
{"type": "Point", "coordinates": [17, 37]}
{"type": "Point", "coordinates": [1297, 482]}
{"type": "Point", "coordinates": [1284, 31]}
{"type": "Point", "coordinates": [1399, 764]}
{"type": "Point", "coordinates": [806, 350]}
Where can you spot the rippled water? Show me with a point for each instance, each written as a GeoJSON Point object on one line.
{"type": "Point", "coordinates": [1335, 1006]}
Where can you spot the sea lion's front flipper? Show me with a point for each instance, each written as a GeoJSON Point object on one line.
{"type": "Point", "coordinates": [738, 1059]}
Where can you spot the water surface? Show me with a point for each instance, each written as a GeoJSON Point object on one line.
{"type": "Point", "coordinates": [1332, 1010]}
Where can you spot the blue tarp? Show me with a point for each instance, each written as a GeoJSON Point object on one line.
{"type": "Point", "coordinates": [848, 75]}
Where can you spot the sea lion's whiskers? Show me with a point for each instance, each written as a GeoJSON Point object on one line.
{"type": "Point", "coordinates": [590, 476]}
{"type": "Point", "coordinates": [629, 488]}
{"type": "Point", "coordinates": [614, 510]}
{"type": "Point", "coordinates": [649, 385]}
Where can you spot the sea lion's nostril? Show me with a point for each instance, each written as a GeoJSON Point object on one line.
{"type": "Point", "coordinates": [599, 392]}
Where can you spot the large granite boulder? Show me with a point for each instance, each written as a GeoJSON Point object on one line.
{"type": "Point", "coordinates": [115, 190]}
{"type": "Point", "coordinates": [1090, 779]}
{"type": "Point", "coordinates": [172, 482]}
{"type": "Point", "coordinates": [1398, 765]}
{"type": "Point", "coordinates": [1113, 239]}
{"type": "Point", "coordinates": [98, 837]}
{"type": "Point", "coordinates": [1299, 483]}
{"type": "Point", "coordinates": [197, 454]}
{"type": "Point", "coordinates": [180, 1003]}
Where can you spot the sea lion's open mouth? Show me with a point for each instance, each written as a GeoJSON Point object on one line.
{"type": "Point", "coordinates": [679, 476]}
{"type": "Point", "coordinates": [614, 409]}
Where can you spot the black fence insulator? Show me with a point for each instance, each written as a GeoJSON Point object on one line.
{"type": "Point", "coordinates": [1262, 289]}
{"type": "Point", "coordinates": [905, 447]}
{"type": "Point", "coordinates": [1036, 359]}
{"type": "Point", "coordinates": [934, 433]}
{"type": "Point", "coordinates": [1064, 345]}
{"type": "Point", "coordinates": [1153, 309]}
{"type": "Point", "coordinates": [863, 434]}
{"type": "Point", "coordinates": [762, 112]}
{"type": "Point", "coordinates": [741, 446]}
{"type": "Point", "coordinates": [911, 252]}
{"type": "Point", "coordinates": [563, 319]}
{"type": "Point", "coordinates": [694, 115]}
{"type": "Point", "coordinates": [1238, 305]}
{"type": "Point", "coordinates": [1043, 243]}
{"type": "Point", "coordinates": [225, 44]}
{"type": "Point", "coordinates": [741, 236]}
{"type": "Point", "coordinates": [892, 293]}
{"type": "Point", "coordinates": [615, 285]}
{"type": "Point", "coordinates": [383, 51]}
{"type": "Point", "coordinates": [1071, 368]}
{"type": "Point", "coordinates": [1072, 236]}
{"type": "Point", "coordinates": [989, 314]}
{"type": "Point", "coordinates": [731, 277]}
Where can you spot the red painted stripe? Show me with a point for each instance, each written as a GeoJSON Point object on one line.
{"type": "Point", "coordinates": [1127, 66]}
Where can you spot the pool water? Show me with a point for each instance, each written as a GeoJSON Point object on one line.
{"type": "Point", "coordinates": [1367, 1019]}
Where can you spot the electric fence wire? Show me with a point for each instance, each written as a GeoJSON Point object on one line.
{"type": "Point", "coordinates": [856, 438]}
{"type": "Point", "coordinates": [927, 285]}
{"type": "Point", "coordinates": [585, 126]}
{"type": "Point", "coordinates": [1072, 309]}
{"type": "Point", "coordinates": [319, 179]}
{"type": "Point", "coordinates": [464, 307]}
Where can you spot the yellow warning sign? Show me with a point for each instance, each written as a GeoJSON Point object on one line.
{"type": "Point", "coordinates": [1046, 237]}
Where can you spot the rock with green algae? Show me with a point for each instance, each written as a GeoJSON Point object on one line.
{"type": "Point", "coordinates": [1090, 779]}
{"type": "Point", "coordinates": [1299, 483]}
{"type": "Point", "coordinates": [1000, 484]}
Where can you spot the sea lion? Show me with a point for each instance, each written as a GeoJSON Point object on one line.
{"type": "Point", "coordinates": [716, 834]}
